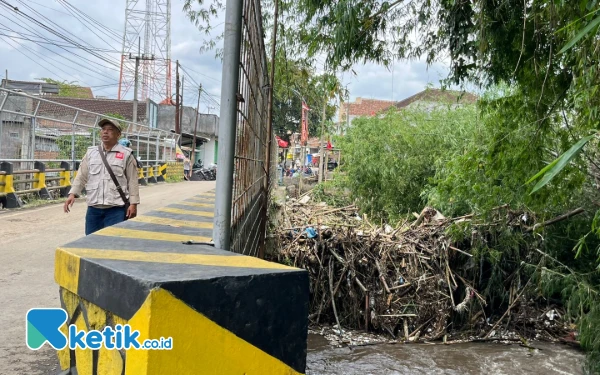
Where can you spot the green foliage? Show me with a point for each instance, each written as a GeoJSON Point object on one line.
{"type": "Point", "coordinates": [296, 80]}
{"type": "Point", "coordinates": [68, 89]}
{"type": "Point", "coordinates": [332, 192]}
{"type": "Point", "coordinates": [390, 159]}
{"type": "Point", "coordinates": [501, 155]}
{"type": "Point", "coordinates": [557, 165]}
{"type": "Point", "coordinates": [65, 146]}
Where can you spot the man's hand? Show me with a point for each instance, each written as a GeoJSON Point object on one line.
{"type": "Point", "coordinates": [69, 202]}
{"type": "Point", "coordinates": [132, 211]}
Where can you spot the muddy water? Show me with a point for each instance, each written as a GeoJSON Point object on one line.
{"type": "Point", "coordinates": [455, 359]}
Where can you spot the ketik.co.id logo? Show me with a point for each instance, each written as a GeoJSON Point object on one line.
{"type": "Point", "coordinates": [43, 325]}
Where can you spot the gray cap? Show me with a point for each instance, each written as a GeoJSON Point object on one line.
{"type": "Point", "coordinates": [112, 122]}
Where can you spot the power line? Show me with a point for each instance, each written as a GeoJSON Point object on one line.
{"type": "Point", "coordinates": [23, 36]}
{"type": "Point", "coordinates": [47, 7]}
{"type": "Point", "coordinates": [49, 57]}
{"type": "Point", "coordinates": [95, 71]}
{"type": "Point", "coordinates": [86, 26]}
{"type": "Point", "coordinates": [63, 48]}
{"type": "Point", "coordinates": [60, 35]}
{"type": "Point", "coordinates": [34, 61]}
{"type": "Point", "coordinates": [52, 22]}
{"type": "Point", "coordinates": [204, 75]}
{"type": "Point", "coordinates": [100, 25]}
{"type": "Point", "coordinates": [210, 97]}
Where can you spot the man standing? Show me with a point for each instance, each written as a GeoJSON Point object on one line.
{"type": "Point", "coordinates": [106, 205]}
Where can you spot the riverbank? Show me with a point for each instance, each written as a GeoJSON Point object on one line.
{"type": "Point", "coordinates": [418, 281]}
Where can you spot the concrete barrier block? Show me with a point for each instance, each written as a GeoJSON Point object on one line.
{"type": "Point", "coordinates": [226, 313]}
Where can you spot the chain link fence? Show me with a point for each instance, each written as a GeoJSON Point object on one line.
{"type": "Point", "coordinates": [36, 128]}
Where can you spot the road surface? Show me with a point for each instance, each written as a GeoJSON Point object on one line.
{"type": "Point", "coordinates": [28, 239]}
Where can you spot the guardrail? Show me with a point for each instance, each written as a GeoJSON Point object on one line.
{"type": "Point", "coordinates": [42, 180]}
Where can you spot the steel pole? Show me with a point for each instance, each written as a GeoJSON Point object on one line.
{"type": "Point", "coordinates": [227, 125]}
{"type": "Point", "coordinates": [196, 126]}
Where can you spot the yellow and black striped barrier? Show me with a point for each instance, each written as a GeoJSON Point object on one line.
{"type": "Point", "coordinates": [7, 187]}
{"type": "Point", "coordinates": [10, 188]}
{"type": "Point", "coordinates": [141, 177]}
{"type": "Point", "coordinates": [150, 174]}
{"type": "Point", "coordinates": [226, 313]}
{"type": "Point", "coordinates": [162, 172]}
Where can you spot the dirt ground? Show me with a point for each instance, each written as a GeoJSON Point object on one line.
{"type": "Point", "coordinates": [28, 239]}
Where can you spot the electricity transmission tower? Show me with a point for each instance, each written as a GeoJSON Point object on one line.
{"type": "Point", "coordinates": [149, 20]}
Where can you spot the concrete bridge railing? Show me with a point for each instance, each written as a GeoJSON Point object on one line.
{"type": "Point", "coordinates": [224, 313]}
{"type": "Point", "coordinates": [16, 182]}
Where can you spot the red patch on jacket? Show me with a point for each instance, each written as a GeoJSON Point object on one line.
{"type": "Point", "coordinates": [120, 155]}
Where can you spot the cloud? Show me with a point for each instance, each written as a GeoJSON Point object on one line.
{"type": "Point", "coordinates": [27, 61]}
{"type": "Point", "coordinates": [374, 81]}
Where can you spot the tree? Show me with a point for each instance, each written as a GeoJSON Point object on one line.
{"type": "Point", "coordinates": [295, 81]}
{"type": "Point", "coordinates": [389, 160]}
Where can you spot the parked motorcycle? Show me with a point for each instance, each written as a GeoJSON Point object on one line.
{"type": "Point", "coordinates": [203, 174]}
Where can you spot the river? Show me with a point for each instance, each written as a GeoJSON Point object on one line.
{"type": "Point", "coordinates": [454, 359]}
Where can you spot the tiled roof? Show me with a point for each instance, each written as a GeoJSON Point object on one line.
{"type": "Point", "coordinates": [38, 87]}
{"type": "Point", "coordinates": [439, 96]}
{"type": "Point", "coordinates": [366, 107]}
{"type": "Point", "coordinates": [370, 107]}
{"type": "Point", "coordinates": [101, 106]}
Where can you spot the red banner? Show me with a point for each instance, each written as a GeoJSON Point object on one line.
{"type": "Point", "coordinates": [304, 133]}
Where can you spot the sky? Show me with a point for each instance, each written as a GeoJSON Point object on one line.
{"type": "Point", "coordinates": [102, 32]}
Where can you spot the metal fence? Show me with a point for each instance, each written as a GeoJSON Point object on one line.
{"type": "Point", "coordinates": [33, 127]}
{"type": "Point", "coordinates": [243, 181]}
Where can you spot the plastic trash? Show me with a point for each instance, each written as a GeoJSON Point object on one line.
{"type": "Point", "coordinates": [311, 232]}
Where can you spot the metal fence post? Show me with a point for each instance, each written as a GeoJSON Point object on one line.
{"type": "Point", "coordinates": [227, 128]}
{"type": "Point", "coordinates": [1, 121]}
{"type": "Point", "coordinates": [73, 138]}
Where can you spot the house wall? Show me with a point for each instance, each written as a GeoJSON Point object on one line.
{"type": "Point", "coordinates": [208, 157]}
{"type": "Point", "coordinates": [15, 129]}
{"type": "Point", "coordinates": [208, 125]}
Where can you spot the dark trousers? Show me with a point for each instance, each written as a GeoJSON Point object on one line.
{"type": "Point", "coordinates": [99, 218]}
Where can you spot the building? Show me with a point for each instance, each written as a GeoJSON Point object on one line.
{"type": "Point", "coordinates": [37, 88]}
{"type": "Point", "coordinates": [207, 131]}
{"type": "Point", "coordinates": [362, 107]}
{"type": "Point", "coordinates": [427, 99]}
{"type": "Point", "coordinates": [431, 98]}
{"type": "Point", "coordinates": [103, 106]}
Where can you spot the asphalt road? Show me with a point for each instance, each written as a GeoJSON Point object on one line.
{"type": "Point", "coordinates": [28, 239]}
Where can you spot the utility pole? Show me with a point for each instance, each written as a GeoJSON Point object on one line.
{"type": "Point", "coordinates": [181, 106]}
{"type": "Point", "coordinates": [135, 87]}
{"type": "Point", "coordinates": [177, 130]}
{"type": "Point", "coordinates": [196, 125]}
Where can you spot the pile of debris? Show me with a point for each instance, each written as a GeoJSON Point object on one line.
{"type": "Point", "coordinates": [395, 280]}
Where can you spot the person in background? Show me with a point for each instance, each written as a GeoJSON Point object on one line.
{"type": "Point", "coordinates": [186, 169]}
{"type": "Point", "coordinates": [127, 143]}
